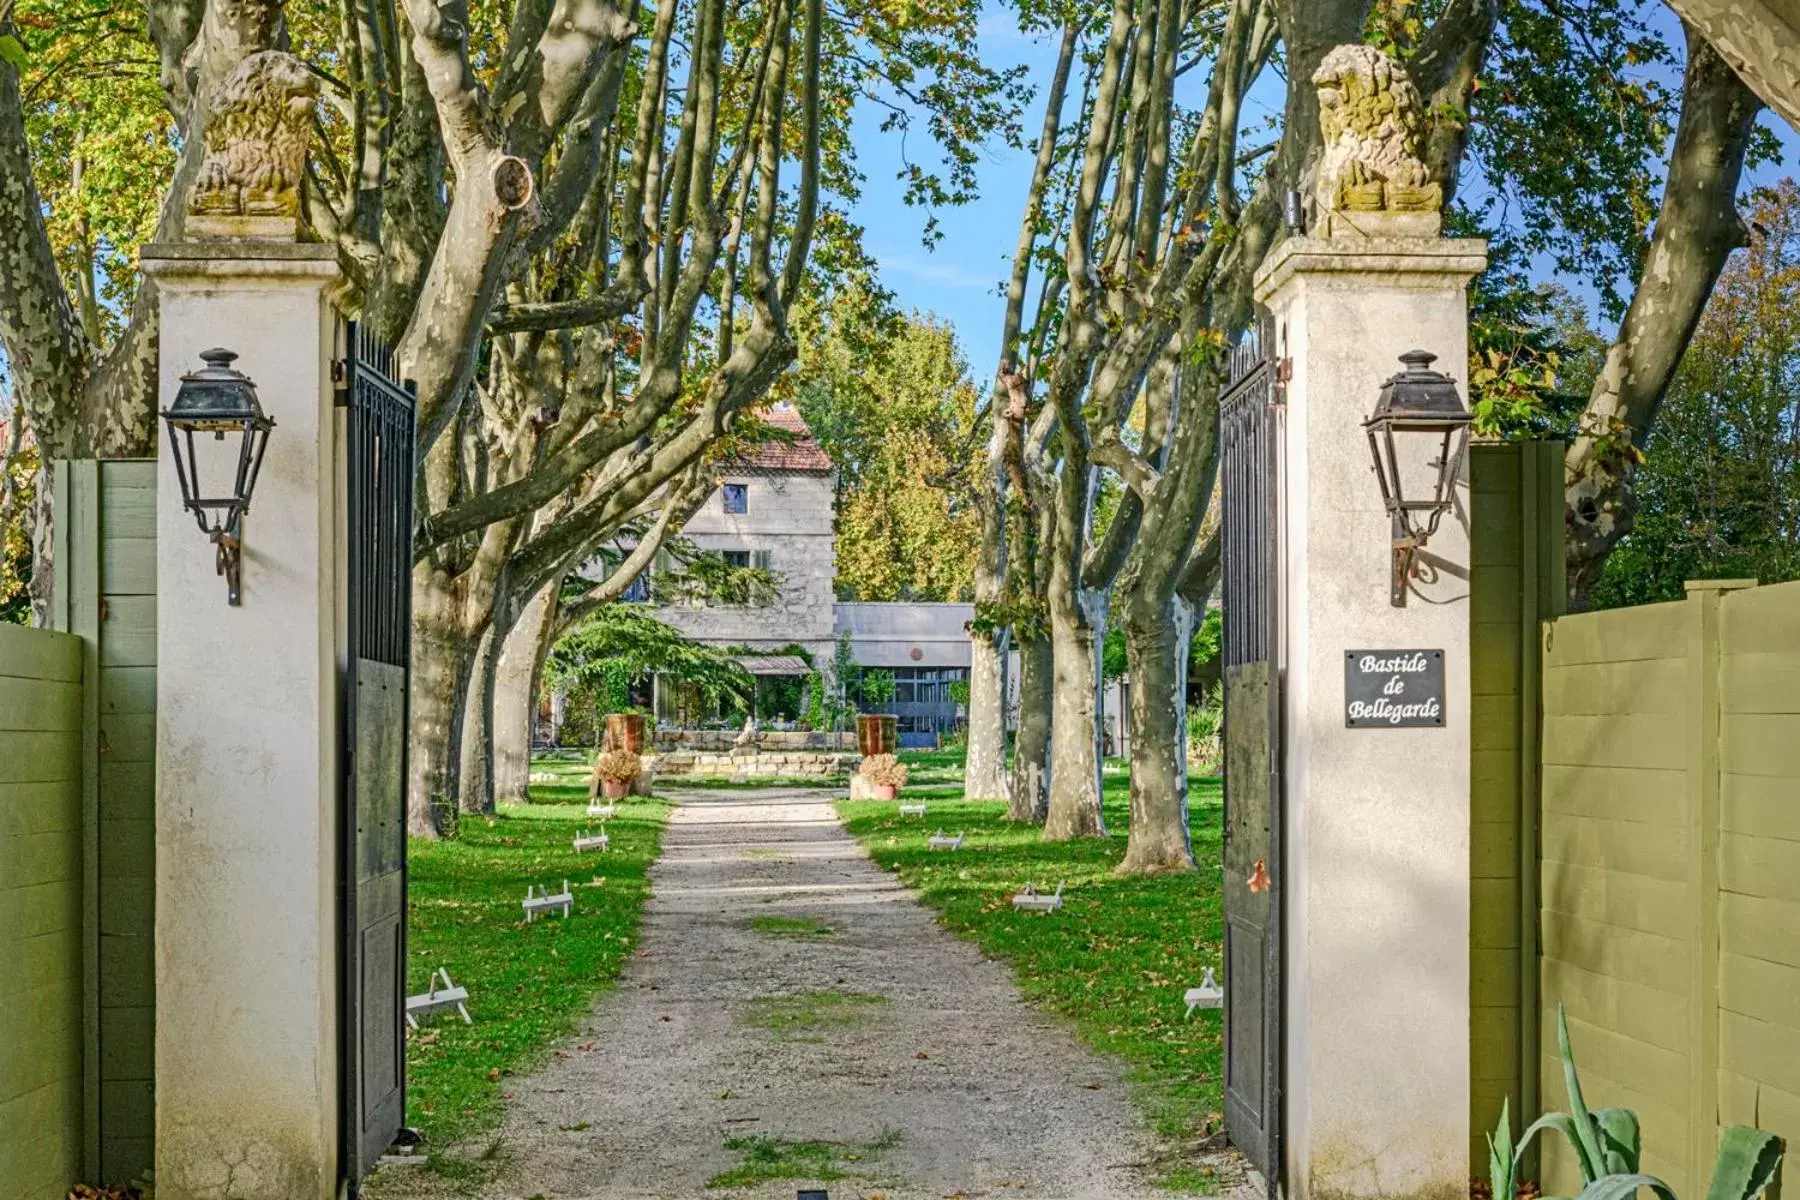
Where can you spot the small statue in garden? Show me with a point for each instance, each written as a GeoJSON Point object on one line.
{"type": "Point", "coordinates": [1374, 124]}
{"type": "Point", "coordinates": [250, 179]}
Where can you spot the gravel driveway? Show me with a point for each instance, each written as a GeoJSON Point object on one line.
{"type": "Point", "coordinates": [844, 1018]}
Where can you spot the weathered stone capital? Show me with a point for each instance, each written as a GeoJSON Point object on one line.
{"type": "Point", "coordinates": [1399, 261]}
{"type": "Point", "coordinates": [226, 260]}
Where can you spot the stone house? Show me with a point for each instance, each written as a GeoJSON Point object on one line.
{"type": "Point", "coordinates": [775, 509]}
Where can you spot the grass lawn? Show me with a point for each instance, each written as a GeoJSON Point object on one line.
{"type": "Point", "coordinates": [1115, 960]}
{"type": "Point", "coordinates": [528, 983]}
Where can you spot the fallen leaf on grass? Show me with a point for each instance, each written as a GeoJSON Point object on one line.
{"type": "Point", "coordinates": [922, 1055]}
{"type": "Point", "coordinates": [494, 1075]}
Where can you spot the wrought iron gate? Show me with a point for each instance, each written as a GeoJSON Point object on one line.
{"type": "Point", "coordinates": [372, 816]}
{"type": "Point", "coordinates": [1250, 418]}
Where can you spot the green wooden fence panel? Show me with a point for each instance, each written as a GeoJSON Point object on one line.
{"type": "Point", "coordinates": [41, 713]}
{"type": "Point", "coordinates": [106, 593]}
{"type": "Point", "coordinates": [1515, 551]}
{"type": "Point", "coordinates": [1670, 893]}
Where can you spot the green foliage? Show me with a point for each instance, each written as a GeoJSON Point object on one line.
{"type": "Point", "coordinates": [815, 700]}
{"type": "Point", "coordinates": [1532, 357]}
{"type": "Point", "coordinates": [624, 640]}
{"type": "Point", "coordinates": [958, 690]}
{"type": "Point", "coordinates": [876, 686]}
{"type": "Point", "coordinates": [1609, 1147]}
{"type": "Point", "coordinates": [1113, 658]}
{"type": "Point", "coordinates": [1208, 639]}
{"type": "Point", "coordinates": [18, 495]}
{"type": "Point", "coordinates": [889, 399]}
{"type": "Point", "coordinates": [1206, 729]}
{"type": "Point", "coordinates": [530, 983]}
{"type": "Point", "coordinates": [617, 685]}
{"type": "Point", "coordinates": [1719, 488]}
{"type": "Point", "coordinates": [690, 575]}
{"type": "Point", "coordinates": [103, 145]}
{"type": "Point", "coordinates": [1573, 157]}
{"type": "Point", "coordinates": [1115, 962]}
{"type": "Point", "coordinates": [1025, 615]}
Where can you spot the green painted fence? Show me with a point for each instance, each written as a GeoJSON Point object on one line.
{"type": "Point", "coordinates": [1670, 889]}
{"type": "Point", "coordinates": [106, 594]}
{"type": "Point", "coordinates": [1516, 552]}
{"type": "Point", "coordinates": [40, 913]}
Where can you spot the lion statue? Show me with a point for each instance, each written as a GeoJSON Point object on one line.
{"type": "Point", "coordinates": [256, 139]}
{"type": "Point", "coordinates": [1373, 124]}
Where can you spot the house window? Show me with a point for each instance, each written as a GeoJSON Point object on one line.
{"type": "Point", "coordinates": [637, 591]}
{"type": "Point", "coordinates": [737, 498]}
{"type": "Point", "coordinates": [736, 559]}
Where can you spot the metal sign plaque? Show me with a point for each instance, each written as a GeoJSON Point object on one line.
{"type": "Point", "coordinates": [1393, 689]}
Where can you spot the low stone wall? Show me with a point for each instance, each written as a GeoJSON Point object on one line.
{"type": "Point", "coordinates": [767, 741]}
{"type": "Point", "coordinates": [754, 764]}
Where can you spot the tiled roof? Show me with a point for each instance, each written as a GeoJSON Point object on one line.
{"type": "Point", "coordinates": [773, 664]}
{"type": "Point", "coordinates": [801, 453]}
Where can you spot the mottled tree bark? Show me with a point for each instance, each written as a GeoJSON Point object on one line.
{"type": "Point", "coordinates": [984, 776]}
{"type": "Point", "coordinates": [1157, 647]}
{"type": "Point", "coordinates": [1077, 623]}
{"type": "Point", "coordinates": [515, 699]}
{"type": "Point", "coordinates": [476, 793]}
{"type": "Point", "coordinates": [443, 658]}
{"type": "Point", "coordinates": [1028, 788]}
{"type": "Point", "coordinates": [1696, 231]}
{"type": "Point", "coordinates": [1761, 41]}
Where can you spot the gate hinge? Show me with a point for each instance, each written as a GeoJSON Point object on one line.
{"type": "Point", "coordinates": [340, 379]}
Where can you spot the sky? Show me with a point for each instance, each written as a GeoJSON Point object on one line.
{"type": "Point", "coordinates": [960, 279]}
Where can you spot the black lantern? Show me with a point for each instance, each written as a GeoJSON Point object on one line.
{"type": "Point", "coordinates": [1419, 415]}
{"type": "Point", "coordinates": [219, 401]}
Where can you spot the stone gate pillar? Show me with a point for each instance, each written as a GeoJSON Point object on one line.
{"type": "Point", "coordinates": [1376, 932]}
{"type": "Point", "coordinates": [246, 739]}
{"type": "Point", "coordinates": [246, 917]}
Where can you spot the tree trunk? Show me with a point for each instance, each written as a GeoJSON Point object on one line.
{"type": "Point", "coordinates": [515, 701]}
{"type": "Point", "coordinates": [1028, 791]}
{"type": "Point", "coordinates": [1696, 231]}
{"type": "Point", "coordinates": [1759, 42]}
{"type": "Point", "coordinates": [1077, 615]}
{"type": "Point", "coordinates": [984, 777]}
{"type": "Point", "coordinates": [443, 659]}
{"type": "Point", "coordinates": [1156, 645]}
{"type": "Point", "coordinates": [475, 793]}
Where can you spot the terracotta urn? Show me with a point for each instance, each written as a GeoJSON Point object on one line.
{"type": "Point", "coordinates": [625, 731]}
{"type": "Point", "coordinates": [877, 734]}
{"type": "Point", "coordinates": [616, 789]}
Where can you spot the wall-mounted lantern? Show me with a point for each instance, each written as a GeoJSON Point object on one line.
{"type": "Point", "coordinates": [220, 401]}
{"type": "Point", "coordinates": [1419, 415]}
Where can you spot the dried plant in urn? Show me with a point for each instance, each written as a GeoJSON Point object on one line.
{"type": "Point", "coordinates": [885, 773]}
{"type": "Point", "coordinates": [615, 769]}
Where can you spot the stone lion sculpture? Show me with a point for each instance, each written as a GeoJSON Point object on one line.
{"type": "Point", "coordinates": [1373, 124]}
{"type": "Point", "coordinates": [256, 140]}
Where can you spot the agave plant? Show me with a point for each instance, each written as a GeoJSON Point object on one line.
{"type": "Point", "coordinates": [1608, 1148]}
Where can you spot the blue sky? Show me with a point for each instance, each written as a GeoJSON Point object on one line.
{"type": "Point", "coordinates": [960, 279]}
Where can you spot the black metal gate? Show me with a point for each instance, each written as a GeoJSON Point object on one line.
{"type": "Point", "coordinates": [1250, 418]}
{"type": "Point", "coordinates": [372, 817]}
